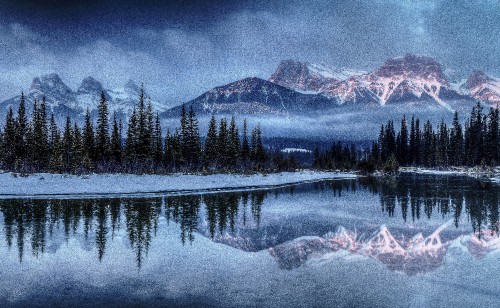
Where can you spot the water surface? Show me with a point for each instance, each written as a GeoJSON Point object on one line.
{"type": "Point", "coordinates": [412, 240]}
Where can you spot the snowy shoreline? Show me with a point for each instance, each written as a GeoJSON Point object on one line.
{"type": "Point", "coordinates": [492, 175]}
{"type": "Point", "coordinates": [94, 185]}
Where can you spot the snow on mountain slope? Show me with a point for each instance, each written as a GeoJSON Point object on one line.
{"type": "Point", "coordinates": [255, 96]}
{"type": "Point", "coordinates": [308, 76]}
{"type": "Point", "coordinates": [404, 79]}
{"type": "Point", "coordinates": [417, 255]}
{"type": "Point", "coordinates": [484, 88]}
{"type": "Point", "coordinates": [63, 101]}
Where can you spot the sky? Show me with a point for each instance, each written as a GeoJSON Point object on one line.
{"type": "Point", "coordinates": [180, 49]}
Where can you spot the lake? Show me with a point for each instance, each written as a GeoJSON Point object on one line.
{"type": "Point", "coordinates": [405, 241]}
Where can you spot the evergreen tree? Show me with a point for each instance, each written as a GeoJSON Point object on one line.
{"type": "Point", "coordinates": [21, 132]}
{"type": "Point", "coordinates": [245, 146]}
{"type": "Point", "coordinates": [132, 136]}
{"type": "Point", "coordinates": [210, 152]}
{"type": "Point", "coordinates": [443, 145]}
{"type": "Point", "coordinates": [102, 131]}
{"type": "Point", "coordinates": [258, 152]}
{"type": "Point", "coordinates": [456, 142]}
{"type": "Point", "coordinates": [418, 143]}
{"type": "Point", "coordinates": [223, 144]}
{"type": "Point", "coordinates": [56, 163]}
{"type": "Point", "coordinates": [234, 144]}
{"type": "Point", "coordinates": [403, 143]}
{"type": "Point", "coordinates": [492, 137]}
{"type": "Point", "coordinates": [116, 142]}
{"type": "Point", "coordinates": [89, 141]}
{"type": "Point", "coordinates": [9, 139]}
{"type": "Point", "coordinates": [158, 141]}
{"type": "Point", "coordinates": [67, 145]}
{"type": "Point", "coordinates": [428, 145]}
{"type": "Point", "coordinates": [168, 158]}
{"type": "Point", "coordinates": [192, 141]}
{"type": "Point", "coordinates": [184, 134]}
{"type": "Point", "coordinates": [40, 144]}
{"type": "Point", "coordinates": [78, 150]}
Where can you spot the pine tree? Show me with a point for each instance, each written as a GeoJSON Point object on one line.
{"type": "Point", "coordinates": [192, 145]}
{"type": "Point", "coordinates": [258, 151]}
{"type": "Point", "coordinates": [102, 131]}
{"type": "Point", "coordinates": [245, 146]}
{"type": "Point", "coordinates": [116, 143]}
{"type": "Point", "coordinates": [67, 144]}
{"type": "Point", "coordinates": [89, 141]}
{"type": "Point", "coordinates": [403, 143]}
{"type": "Point", "coordinates": [418, 144]}
{"type": "Point", "coordinates": [234, 144]}
{"type": "Point", "coordinates": [428, 145]}
{"type": "Point", "coordinates": [158, 141]}
{"type": "Point", "coordinates": [493, 141]}
{"type": "Point", "coordinates": [412, 145]}
{"type": "Point", "coordinates": [21, 132]}
{"type": "Point", "coordinates": [184, 134]}
{"type": "Point", "coordinates": [132, 136]}
{"type": "Point", "coordinates": [210, 152]}
{"type": "Point", "coordinates": [78, 151]}
{"type": "Point", "coordinates": [443, 145]}
{"type": "Point", "coordinates": [56, 163]}
{"type": "Point", "coordinates": [456, 142]}
{"type": "Point", "coordinates": [9, 139]}
{"type": "Point", "coordinates": [147, 137]}
{"type": "Point", "coordinates": [168, 158]}
{"type": "Point", "coordinates": [223, 144]}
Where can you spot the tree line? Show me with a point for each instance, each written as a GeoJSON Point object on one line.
{"type": "Point", "coordinates": [476, 143]}
{"type": "Point", "coordinates": [39, 145]}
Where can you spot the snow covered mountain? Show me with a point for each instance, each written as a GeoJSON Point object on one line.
{"type": "Point", "coordinates": [63, 101]}
{"type": "Point", "coordinates": [484, 88]}
{"type": "Point", "coordinates": [410, 83]}
{"type": "Point", "coordinates": [400, 80]}
{"type": "Point", "coordinates": [308, 77]}
{"type": "Point", "coordinates": [416, 255]}
{"type": "Point", "coordinates": [255, 96]}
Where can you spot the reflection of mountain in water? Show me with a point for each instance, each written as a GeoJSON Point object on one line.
{"type": "Point", "coordinates": [236, 219]}
{"type": "Point", "coordinates": [415, 255]}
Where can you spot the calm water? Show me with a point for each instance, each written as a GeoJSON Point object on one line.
{"type": "Point", "coordinates": [334, 243]}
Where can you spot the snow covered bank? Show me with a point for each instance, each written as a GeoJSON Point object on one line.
{"type": "Point", "coordinates": [492, 174]}
{"type": "Point", "coordinates": [45, 184]}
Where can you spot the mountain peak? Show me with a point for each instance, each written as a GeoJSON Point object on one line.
{"type": "Point", "coordinates": [477, 78]}
{"type": "Point", "coordinates": [132, 87]}
{"type": "Point", "coordinates": [91, 86]}
{"type": "Point", "coordinates": [412, 66]}
{"type": "Point", "coordinates": [303, 76]}
{"type": "Point", "coordinates": [51, 85]}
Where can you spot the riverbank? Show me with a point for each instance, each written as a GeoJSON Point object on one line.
{"type": "Point", "coordinates": [51, 185]}
{"type": "Point", "coordinates": [492, 174]}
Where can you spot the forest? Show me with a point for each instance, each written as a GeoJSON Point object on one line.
{"type": "Point", "coordinates": [37, 144]}
{"type": "Point", "coordinates": [476, 143]}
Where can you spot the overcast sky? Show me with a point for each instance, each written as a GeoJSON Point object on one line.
{"type": "Point", "coordinates": [180, 49]}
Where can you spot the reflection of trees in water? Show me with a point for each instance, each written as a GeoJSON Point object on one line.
{"type": "Point", "coordinates": [36, 220]}
{"type": "Point", "coordinates": [32, 222]}
{"type": "Point", "coordinates": [141, 220]}
{"type": "Point", "coordinates": [435, 195]}
{"type": "Point", "coordinates": [183, 210]}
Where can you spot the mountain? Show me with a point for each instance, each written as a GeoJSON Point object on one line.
{"type": "Point", "coordinates": [484, 88]}
{"type": "Point", "coordinates": [405, 79]}
{"type": "Point", "coordinates": [307, 76]}
{"type": "Point", "coordinates": [255, 96]}
{"type": "Point", "coordinates": [418, 255]}
{"type": "Point", "coordinates": [63, 101]}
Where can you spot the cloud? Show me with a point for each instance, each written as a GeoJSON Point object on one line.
{"type": "Point", "coordinates": [178, 60]}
